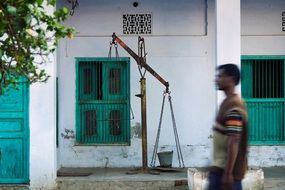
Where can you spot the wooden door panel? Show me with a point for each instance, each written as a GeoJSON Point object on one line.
{"type": "Point", "coordinates": [11, 158]}
{"type": "Point", "coordinates": [12, 100]}
{"type": "Point", "coordinates": [14, 135]}
{"type": "Point", "coordinates": [11, 125]}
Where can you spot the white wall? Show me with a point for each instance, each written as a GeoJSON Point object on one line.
{"type": "Point", "coordinates": [101, 17]}
{"type": "Point", "coordinates": [262, 17]}
{"type": "Point", "coordinates": [43, 132]}
{"type": "Point", "coordinates": [182, 50]}
{"type": "Point", "coordinates": [179, 50]}
{"type": "Point", "coordinates": [42, 129]}
{"type": "Point", "coordinates": [262, 35]}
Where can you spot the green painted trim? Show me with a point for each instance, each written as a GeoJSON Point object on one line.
{"type": "Point", "coordinates": [27, 179]}
{"type": "Point", "coordinates": [102, 101]}
{"type": "Point", "coordinates": [112, 59]}
{"type": "Point", "coordinates": [129, 101]}
{"type": "Point", "coordinates": [77, 112]}
{"type": "Point", "coordinates": [13, 181]}
{"type": "Point", "coordinates": [102, 144]}
{"type": "Point", "coordinates": [261, 57]}
{"type": "Point", "coordinates": [267, 143]}
{"type": "Point", "coordinates": [264, 100]}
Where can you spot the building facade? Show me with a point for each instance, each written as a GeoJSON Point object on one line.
{"type": "Point", "coordinates": [88, 114]}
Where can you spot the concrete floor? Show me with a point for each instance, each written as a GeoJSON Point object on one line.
{"type": "Point", "coordinates": [274, 178]}
{"type": "Point", "coordinates": [121, 179]}
{"type": "Point", "coordinates": [117, 179]}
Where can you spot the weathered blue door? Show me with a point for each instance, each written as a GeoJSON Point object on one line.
{"type": "Point", "coordinates": [14, 135]}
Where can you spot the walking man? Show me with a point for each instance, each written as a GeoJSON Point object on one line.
{"type": "Point", "coordinates": [229, 134]}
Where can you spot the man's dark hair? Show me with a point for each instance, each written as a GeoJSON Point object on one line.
{"type": "Point", "coordinates": [231, 70]}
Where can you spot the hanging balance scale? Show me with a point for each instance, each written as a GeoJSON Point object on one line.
{"type": "Point", "coordinates": [165, 158]}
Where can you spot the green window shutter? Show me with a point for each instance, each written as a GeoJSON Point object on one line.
{"type": "Point", "coordinates": [116, 75]}
{"type": "Point", "coordinates": [90, 79]}
{"type": "Point", "coordinates": [115, 122]}
{"type": "Point", "coordinates": [103, 101]}
{"type": "Point", "coordinates": [90, 120]}
{"type": "Point", "coordinates": [262, 82]}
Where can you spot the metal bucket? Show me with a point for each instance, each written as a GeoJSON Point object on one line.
{"type": "Point", "coordinates": [165, 158]}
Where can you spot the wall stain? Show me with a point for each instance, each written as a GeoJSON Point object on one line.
{"type": "Point", "coordinates": [136, 130]}
{"type": "Point", "coordinates": [68, 134]}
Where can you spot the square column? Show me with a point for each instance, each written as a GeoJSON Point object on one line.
{"type": "Point", "coordinates": [228, 34]}
{"type": "Point", "coordinates": [43, 160]}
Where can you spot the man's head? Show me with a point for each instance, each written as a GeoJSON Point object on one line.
{"type": "Point", "coordinates": [228, 76]}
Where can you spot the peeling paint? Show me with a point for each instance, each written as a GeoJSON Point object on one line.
{"type": "Point", "coordinates": [136, 130]}
{"type": "Point", "coordinates": [265, 156]}
{"type": "Point", "coordinates": [124, 153]}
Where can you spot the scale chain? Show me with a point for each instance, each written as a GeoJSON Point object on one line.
{"type": "Point", "coordinates": [178, 148]}
{"type": "Point", "coordinates": [179, 152]}
{"type": "Point", "coordinates": [158, 133]}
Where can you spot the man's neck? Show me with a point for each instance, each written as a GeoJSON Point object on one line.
{"type": "Point", "coordinates": [230, 92]}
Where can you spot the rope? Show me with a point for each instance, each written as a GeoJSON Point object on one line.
{"type": "Point", "coordinates": [158, 134]}
{"type": "Point", "coordinates": [142, 55]}
{"type": "Point", "coordinates": [115, 44]}
{"type": "Point", "coordinates": [132, 113]}
{"type": "Point", "coordinates": [110, 50]}
{"type": "Point", "coordinates": [74, 4]}
{"type": "Point", "coordinates": [178, 148]}
{"type": "Point", "coordinates": [116, 51]}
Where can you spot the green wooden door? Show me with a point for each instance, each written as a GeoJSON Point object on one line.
{"type": "Point", "coordinates": [14, 136]}
{"type": "Point", "coordinates": [262, 83]}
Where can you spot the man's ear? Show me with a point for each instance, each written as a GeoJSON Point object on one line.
{"type": "Point", "coordinates": [233, 80]}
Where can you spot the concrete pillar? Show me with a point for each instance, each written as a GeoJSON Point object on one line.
{"type": "Point", "coordinates": [43, 128]}
{"type": "Point", "coordinates": [228, 34]}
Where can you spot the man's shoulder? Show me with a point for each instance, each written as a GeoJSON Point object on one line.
{"type": "Point", "coordinates": [236, 99]}
{"type": "Point", "coordinates": [237, 103]}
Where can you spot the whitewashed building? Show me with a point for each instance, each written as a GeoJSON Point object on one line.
{"type": "Point", "coordinates": [84, 117]}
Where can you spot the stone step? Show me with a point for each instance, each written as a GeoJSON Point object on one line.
{"type": "Point", "coordinates": [118, 179]}
{"type": "Point", "coordinates": [119, 185]}
{"type": "Point", "coordinates": [14, 187]}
